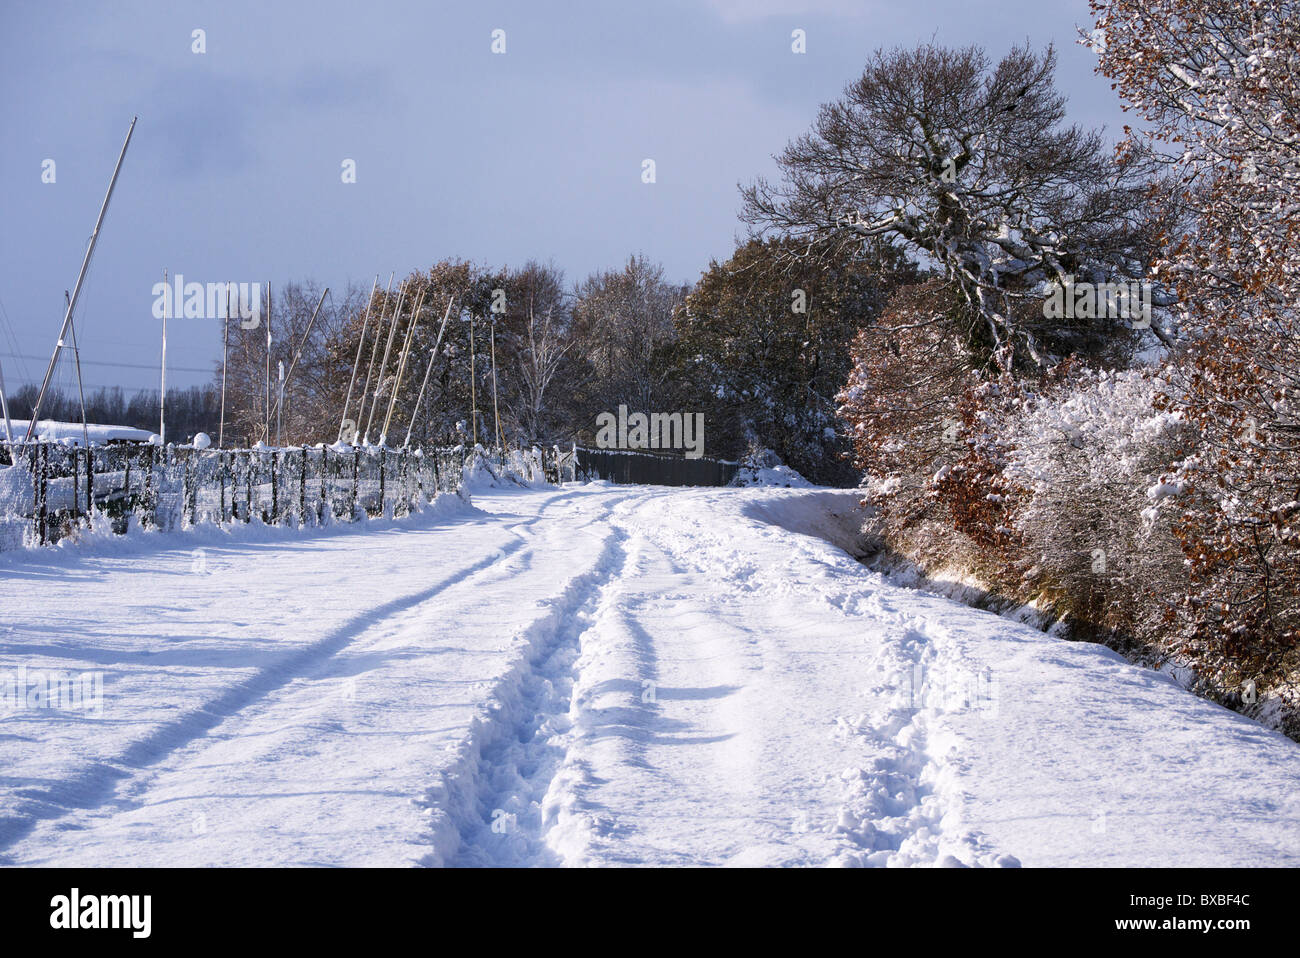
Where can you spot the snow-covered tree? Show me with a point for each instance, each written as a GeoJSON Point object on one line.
{"type": "Point", "coordinates": [970, 167]}
{"type": "Point", "coordinates": [1219, 87]}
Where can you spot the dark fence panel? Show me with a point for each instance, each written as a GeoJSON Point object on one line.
{"type": "Point", "coordinates": [626, 466]}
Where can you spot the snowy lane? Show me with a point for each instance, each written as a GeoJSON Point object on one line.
{"type": "Point", "coordinates": [741, 691]}
{"type": "Point", "coordinates": [302, 759]}
{"type": "Point", "coordinates": [598, 675]}
{"type": "Point", "coordinates": [718, 698]}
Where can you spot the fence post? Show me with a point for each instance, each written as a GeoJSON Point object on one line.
{"type": "Point", "coordinates": [90, 485]}
{"type": "Point", "coordinates": [324, 480]}
{"type": "Point", "coordinates": [403, 480]}
{"type": "Point", "coordinates": [192, 464]}
{"type": "Point", "coordinates": [40, 458]}
{"type": "Point", "coordinates": [302, 490]}
{"type": "Point", "coordinates": [356, 471]}
{"type": "Point", "coordinates": [275, 487]}
{"type": "Point", "coordinates": [146, 470]}
{"type": "Point", "coordinates": [76, 482]}
{"type": "Point", "coordinates": [150, 514]}
{"type": "Point", "coordinates": [185, 490]}
{"type": "Point", "coordinates": [248, 486]}
{"type": "Point", "coordinates": [383, 460]}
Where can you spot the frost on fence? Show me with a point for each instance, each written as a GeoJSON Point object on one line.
{"type": "Point", "coordinates": [48, 489]}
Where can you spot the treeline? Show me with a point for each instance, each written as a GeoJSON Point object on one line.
{"type": "Point", "coordinates": [189, 411]}
{"type": "Point", "coordinates": [760, 345]}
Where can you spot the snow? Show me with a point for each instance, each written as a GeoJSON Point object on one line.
{"type": "Point", "coordinates": [764, 468]}
{"type": "Point", "coordinates": [70, 432]}
{"type": "Point", "coordinates": [781, 475]}
{"type": "Point", "coordinates": [594, 675]}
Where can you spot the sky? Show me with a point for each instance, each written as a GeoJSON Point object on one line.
{"type": "Point", "coordinates": [236, 167]}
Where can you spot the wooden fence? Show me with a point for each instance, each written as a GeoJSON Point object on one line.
{"type": "Point", "coordinates": [626, 466]}
{"type": "Point", "coordinates": [56, 488]}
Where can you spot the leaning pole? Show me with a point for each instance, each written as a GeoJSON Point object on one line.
{"type": "Point", "coordinates": [76, 290]}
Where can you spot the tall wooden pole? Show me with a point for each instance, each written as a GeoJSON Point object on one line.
{"type": "Point", "coordinates": [496, 413]}
{"type": "Point", "coordinates": [225, 359]}
{"type": "Point", "coordinates": [162, 390]}
{"type": "Point", "coordinates": [81, 390]}
{"type": "Point", "coordinates": [473, 389]}
{"type": "Point", "coordinates": [383, 365]}
{"type": "Point", "coordinates": [374, 351]}
{"type": "Point", "coordinates": [361, 345]}
{"type": "Point", "coordinates": [401, 366]}
{"type": "Point", "coordinates": [76, 290]}
{"type": "Point", "coordinates": [266, 426]}
{"type": "Point", "coordinates": [284, 377]}
{"type": "Point", "coordinates": [433, 354]}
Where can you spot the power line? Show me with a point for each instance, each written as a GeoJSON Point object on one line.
{"type": "Point", "coordinates": [90, 362]}
{"type": "Point", "coordinates": [127, 391]}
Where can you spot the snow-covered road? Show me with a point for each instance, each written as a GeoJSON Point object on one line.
{"type": "Point", "coordinates": [594, 675]}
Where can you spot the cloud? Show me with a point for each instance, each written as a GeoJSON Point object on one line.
{"type": "Point", "coordinates": [740, 11]}
{"type": "Point", "coordinates": [205, 120]}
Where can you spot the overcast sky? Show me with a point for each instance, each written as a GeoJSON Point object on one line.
{"type": "Point", "coordinates": [234, 172]}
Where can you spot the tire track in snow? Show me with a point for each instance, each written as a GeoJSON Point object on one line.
{"type": "Point", "coordinates": [899, 808]}
{"type": "Point", "coordinates": [490, 808]}
{"type": "Point", "coordinates": [660, 727]}
{"type": "Point", "coordinates": [509, 763]}
{"type": "Point", "coordinates": [96, 786]}
{"type": "Point", "coordinates": [900, 805]}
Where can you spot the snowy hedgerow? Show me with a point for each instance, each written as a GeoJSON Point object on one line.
{"type": "Point", "coordinates": [1219, 87]}
{"type": "Point", "coordinates": [900, 404]}
{"type": "Point", "coordinates": [1088, 452]}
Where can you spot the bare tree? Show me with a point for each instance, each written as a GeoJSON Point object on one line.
{"type": "Point", "coordinates": [541, 358]}
{"type": "Point", "coordinates": [969, 166]}
{"type": "Point", "coordinates": [622, 319]}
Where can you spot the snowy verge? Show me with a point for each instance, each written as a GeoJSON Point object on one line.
{"type": "Point", "coordinates": [101, 541]}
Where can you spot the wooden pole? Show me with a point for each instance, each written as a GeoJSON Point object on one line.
{"type": "Point", "coordinates": [496, 413]}
{"type": "Point", "coordinates": [401, 366]}
{"type": "Point", "coordinates": [473, 393]}
{"type": "Point", "coordinates": [81, 390]}
{"type": "Point", "coordinates": [76, 290]}
{"type": "Point", "coordinates": [162, 391]}
{"type": "Point", "coordinates": [225, 359]}
{"type": "Point", "coordinates": [361, 344]}
{"type": "Point", "coordinates": [266, 405]}
{"type": "Point", "coordinates": [432, 356]}
{"type": "Point", "coordinates": [383, 365]}
{"type": "Point", "coordinates": [374, 351]}
{"type": "Point", "coordinates": [284, 377]}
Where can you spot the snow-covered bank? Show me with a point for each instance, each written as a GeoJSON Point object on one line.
{"type": "Point", "coordinates": [598, 675]}
{"type": "Point", "coordinates": [73, 433]}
